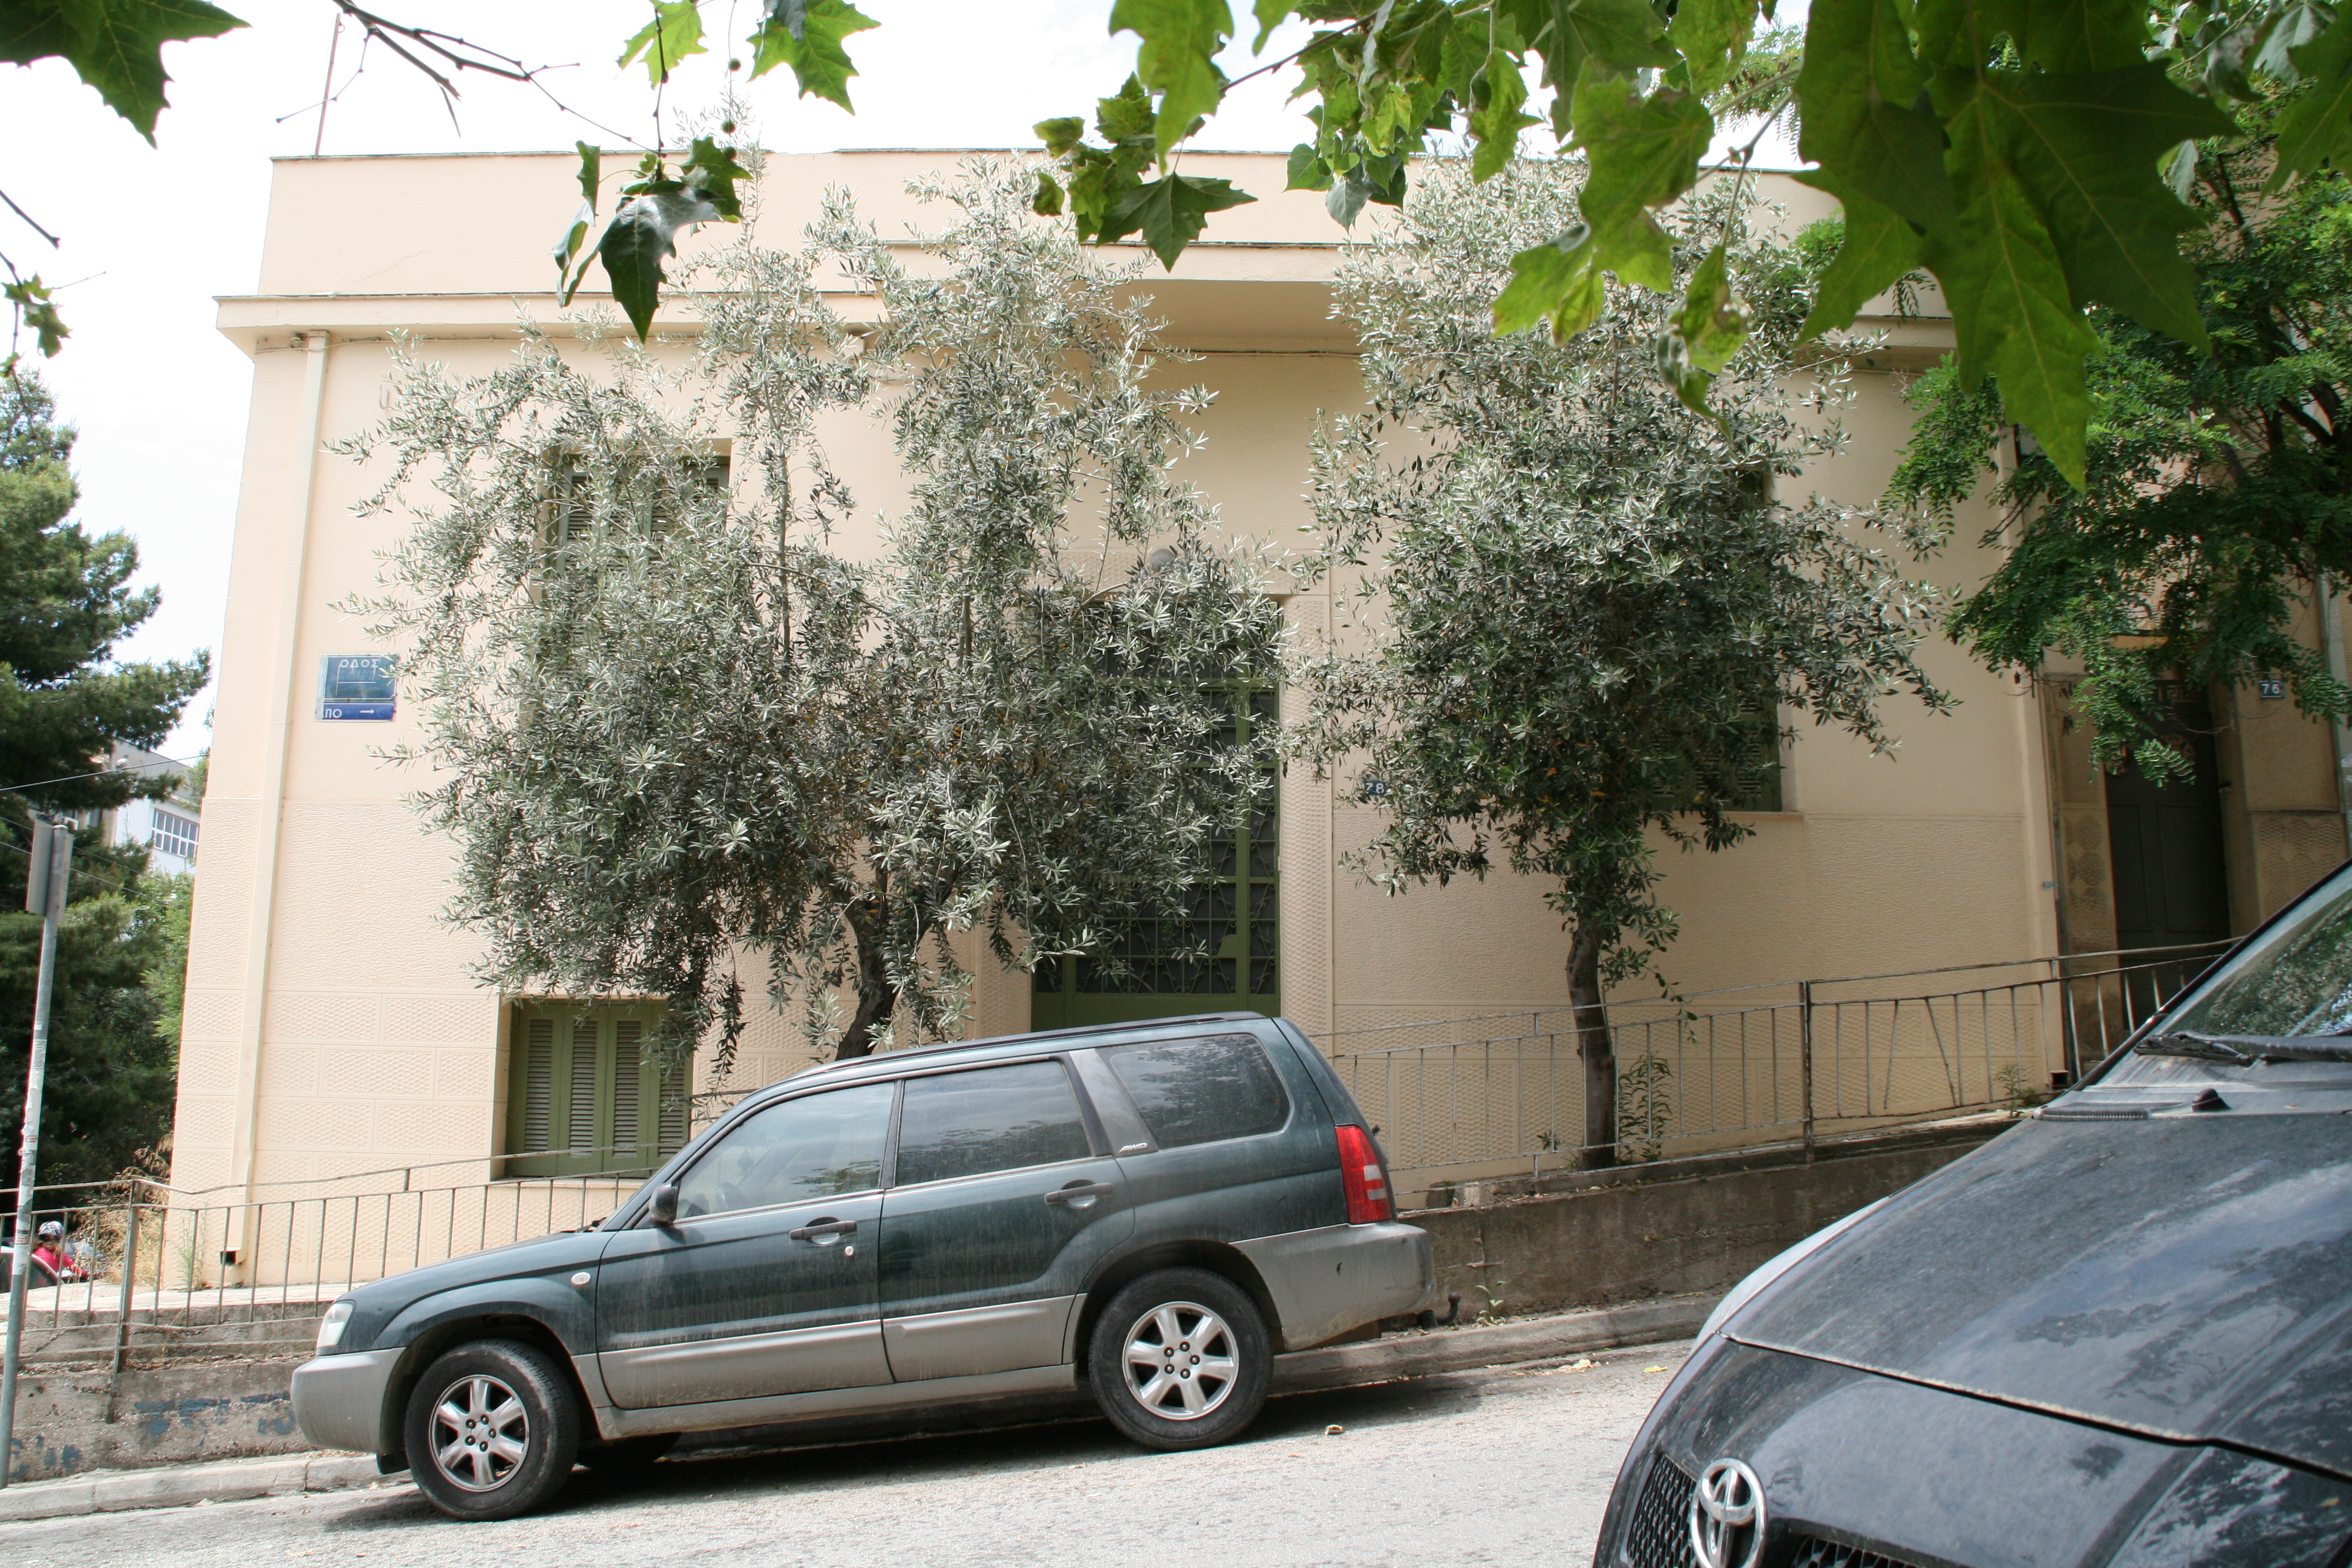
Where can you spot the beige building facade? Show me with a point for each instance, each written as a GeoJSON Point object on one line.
{"type": "Point", "coordinates": [332, 1025]}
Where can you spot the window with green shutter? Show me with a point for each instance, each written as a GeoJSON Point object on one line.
{"type": "Point", "coordinates": [584, 1094]}
{"type": "Point", "coordinates": [1234, 917]}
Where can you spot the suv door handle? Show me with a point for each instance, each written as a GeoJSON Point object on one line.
{"type": "Point", "coordinates": [1079, 1194]}
{"type": "Point", "coordinates": [824, 1231]}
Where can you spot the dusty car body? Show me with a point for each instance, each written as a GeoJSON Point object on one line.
{"type": "Point", "coordinates": [1146, 1212]}
{"type": "Point", "coordinates": [2118, 1335]}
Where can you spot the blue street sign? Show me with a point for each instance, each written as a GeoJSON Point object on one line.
{"type": "Point", "coordinates": [357, 686]}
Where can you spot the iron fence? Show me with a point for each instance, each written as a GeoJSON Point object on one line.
{"type": "Point", "coordinates": [167, 1274]}
{"type": "Point", "coordinates": [1469, 1097]}
{"type": "Point", "coordinates": [152, 1273]}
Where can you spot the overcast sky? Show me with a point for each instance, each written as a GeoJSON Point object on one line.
{"type": "Point", "coordinates": [150, 235]}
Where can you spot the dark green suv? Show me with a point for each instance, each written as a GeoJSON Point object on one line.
{"type": "Point", "coordinates": [1150, 1212]}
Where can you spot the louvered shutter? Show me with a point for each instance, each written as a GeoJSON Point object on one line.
{"type": "Point", "coordinates": [629, 1034]}
{"type": "Point", "coordinates": [538, 1082]}
{"type": "Point", "coordinates": [583, 1134]}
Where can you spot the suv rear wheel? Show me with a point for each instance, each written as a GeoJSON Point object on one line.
{"type": "Point", "coordinates": [1180, 1359]}
{"type": "Point", "coordinates": [492, 1430]}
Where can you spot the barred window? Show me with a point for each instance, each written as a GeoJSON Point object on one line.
{"type": "Point", "coordinates": [1222, 955]}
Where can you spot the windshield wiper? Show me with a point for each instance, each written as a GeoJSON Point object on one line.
{"type": "Point", "coordinates": [2245, 1051]}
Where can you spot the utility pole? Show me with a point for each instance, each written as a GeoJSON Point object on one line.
{"type": "Point", "coordinates": [45, 895]}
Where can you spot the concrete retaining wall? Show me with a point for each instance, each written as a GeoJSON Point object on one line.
{"type": "Point", "coordinates": [69, 1421]}
{"type": "Point", "coordinates": [1675, 1228]}
{"type": "Point", "coordinates": [1690, 1227]}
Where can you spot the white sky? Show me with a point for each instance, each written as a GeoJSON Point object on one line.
{"type": "Point", "coordinates": [151, 234]}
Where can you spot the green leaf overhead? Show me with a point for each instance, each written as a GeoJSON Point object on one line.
{"type": "Point", "coordinates": [814, 48]}
{"type": "Point", "coordinates": [1172, 211]}
{"type": "Point", "coordinates": [641, 237]}
{"type": "Point", "coordinates": [1879, 249]}
{"type": "Point", "coordinates": [2013, 315]}
{"type": "Point", "coordinates": [1498, 97]}
{"type": "Point", "coordinates": [1621, 35]}
{"type": "Point", "coordinates": [1270, 14]}
{"type": "Point", "coordinates": [710, 172]}
{"type": "Point", "coordinates": [2316, 128]}
{"type": "Point", "coordinates": [674, 35]}
{"type": "Point", "coordinates": [568, 245]}
{"type": "Point", "coordinates": [1712, 36]}
{"type": "Point", "coordinates": [2071, 35]}
{"type": "Point", "coordinates": [115, 46]}
{"type": "Point", "coordinates": [1858, 95]}
{"type": "Point", "coordinates": [1699, 339]}
{"type": "Point", "coordinates": [2087, 146]}
{"type": "Point", "coordinates": [1561, 281]}
{"type": "Point", "coordinates": [1178, 57]}
{"type": "Point", "coordinates": [1642, 149]}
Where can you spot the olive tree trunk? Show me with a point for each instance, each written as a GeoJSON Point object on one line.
{"type": "Point", "coordinates": [1596, 1045]}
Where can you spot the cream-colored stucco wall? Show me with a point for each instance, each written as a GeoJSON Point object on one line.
{"type": "Point", "coordinates": [349, 1036]}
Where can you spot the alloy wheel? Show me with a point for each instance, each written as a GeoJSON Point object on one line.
{"type": "Point", "coordinates": [481, 1433]}
{"type": "Point", "coordinates": [1180, 1361]}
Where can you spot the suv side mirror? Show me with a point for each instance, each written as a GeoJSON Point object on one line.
{"type": "Point", "coordinates": [662, 1208]}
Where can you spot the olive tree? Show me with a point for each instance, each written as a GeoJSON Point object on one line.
{"type": "Point", "coordinates": [1583, 608]}
{"type": "Point", "coordinates": [686, 741]}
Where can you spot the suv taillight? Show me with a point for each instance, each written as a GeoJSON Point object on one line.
{"type": "Point", "coordinates": [1360, 1173]}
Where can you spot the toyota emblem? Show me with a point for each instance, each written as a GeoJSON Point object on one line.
{"type": "Point", "coordinates": [1727, 1516]}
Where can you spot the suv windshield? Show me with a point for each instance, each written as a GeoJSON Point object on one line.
{"type": "Point", "coordinates": [2289, 993]}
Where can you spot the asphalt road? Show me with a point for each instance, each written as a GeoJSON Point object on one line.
{"type": "Point", "coordinates": [1508, 1465]}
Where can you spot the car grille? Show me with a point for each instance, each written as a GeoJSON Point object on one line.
{"type": "Point", "coordinates": [1659, 1535]}
{"type": "Point", "coordinates": [1815, 1552]}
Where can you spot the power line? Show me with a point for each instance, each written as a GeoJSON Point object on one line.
{"type": "Point", "coordinates": [102, 772]}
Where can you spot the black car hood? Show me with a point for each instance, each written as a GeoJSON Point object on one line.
{"type": "Point", "coordinates": [2188, 1277]}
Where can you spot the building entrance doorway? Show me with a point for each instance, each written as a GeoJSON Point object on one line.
{"type": "Point", "coordinates": [1223, 957]}
{"type": "Point", "coordinates": [2164, 840]}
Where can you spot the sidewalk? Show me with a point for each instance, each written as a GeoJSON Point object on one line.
{"type": "Point", "coordinates": [1383, 1360]}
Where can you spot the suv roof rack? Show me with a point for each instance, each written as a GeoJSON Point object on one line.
{"type": "Point", "coordinates": [1033, 1034]}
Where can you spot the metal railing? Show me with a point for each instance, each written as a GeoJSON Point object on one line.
{"type": "Point", "coordinates": [165, 1273]}
{"type": "Point", "coordinates": [172, 1274]}
{"type": "Point", "coordinates": [1760, 1064]}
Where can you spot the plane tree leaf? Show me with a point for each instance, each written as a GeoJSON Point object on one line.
{"type": "Point", "coordinates": [1560, 280]}
{"type": "Point", "coordinates": [674, 34]}
{"type": "Point", "coordinates": [2013, 314]}
{"type": "Point", "coordinates": [641, 237]}
{"type": "Point", "coordinates": [2087, 146]}
{"type": "Point", "coordinates": [1172, 211]}
{"type": "Point", "coordinates": [114, 45]}
{"type": "Point", "coordinates": [1879, 249]}
{"type": "Point", "coordinates": [1859, 94]}
{"type": "Point", "coordinates": [1700, 338]}
{"type": "Point", "coordinates": [1177, 58]}
{"type": "Point", "coordinates": [2317, 127]}
{"type": "Point", "coordinates": [1711, 37]}
{"type": "Point", "coordinates": [810, 40]}
{"type": "Point", "coordinates": [1644, 150]}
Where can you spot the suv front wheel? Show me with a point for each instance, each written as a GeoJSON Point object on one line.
{"type": "Point", "coordinates": [492, 1430]}
{"type": "Point", "coordinates": [1180, 1359]}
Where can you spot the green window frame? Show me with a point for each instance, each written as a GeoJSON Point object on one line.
{"type": "Point", "coordinates": [584, 1096]}
{"type": "Point", "coordinates": [1235, 913]}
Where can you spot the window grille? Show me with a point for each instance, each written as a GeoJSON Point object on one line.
{"type": "Point", "coordinates": [1223, 955]}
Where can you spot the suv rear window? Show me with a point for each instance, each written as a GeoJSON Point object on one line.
{"type": "Point", "coordinates": [991, 1119]}
{"type": "Point", "coordinates": [1197, 1091]}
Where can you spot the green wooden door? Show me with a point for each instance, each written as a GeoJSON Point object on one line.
{"type": "Point", "coordinates": [1152, 968]}
{"type": "Point", "coordinates": [584, 1094]}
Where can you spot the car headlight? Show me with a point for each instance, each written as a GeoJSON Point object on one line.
{"type": "Point", "coordinates": [1748, 1288]}
{"type": "Point", "coordinates": [331, 1327]}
